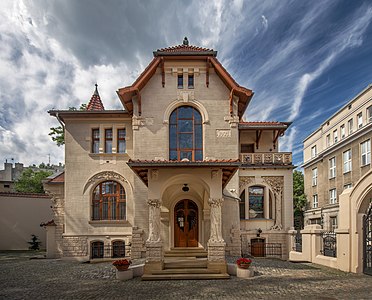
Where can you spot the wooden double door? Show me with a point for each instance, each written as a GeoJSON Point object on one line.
{"type": "Point", "coordinates": [186, 224]}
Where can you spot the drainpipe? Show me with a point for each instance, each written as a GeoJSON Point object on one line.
{"type": "Point", "coordinates": [60, 121]}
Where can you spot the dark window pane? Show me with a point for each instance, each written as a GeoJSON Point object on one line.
{"type": "Point", "coordinates": [96, 133]}
{"type": "Point", "coordinates": [173, 155]}
{"type": "Point", "coordinates": [198, 155]}
{"type": "Point", "coordinates": [185, 126]}
{"type": "Point", "coordinates": [173, 136]}
{"type": "Point", "coordinates": [108, 133]}
{"type": "Point", "coordinates": [197, 117]}
{"type": "Point", "coordinates": [95, 147]}
{"type": "Point", "coordinates": [173, 118]}
{"type": "Point", "coordinates": [108, 146]}
{"type": "Point", "coordinates": [256, 202]}
{"type": "Point", "coordinates": [121, 146]}
{"type": "Point", "coordinates": [198, 137]}
{"type": "Point", "coordinates": [185, 112]}
{"type": "Point", "coordinates": [185, 141]}
{"type": "Point", "coordinates": [187, 155]}
{"type": "Point", "coordinates": [180, 81]}
{"type": "Point", "coordinates": [121, 133]}
{"type": "Point", "coordinates": [191, 82]}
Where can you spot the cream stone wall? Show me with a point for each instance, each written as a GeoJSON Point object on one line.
{"type": "Point", "coordinates": [265, 143]}
{"type": "Point", "coordinates": [20, 217]}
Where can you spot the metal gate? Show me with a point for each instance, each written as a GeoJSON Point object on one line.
{"type": "Point", "coordinates": [367, 242]}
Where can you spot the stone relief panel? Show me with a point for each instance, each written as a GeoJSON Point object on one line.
{"type": "Point", "coordinates": [276, 184]}
{"type": "Point", "coordinates": [244, 181]}
{"type": "Point", "coordinates": [105, 175]}
{"type": "Point", "coordinates": [216, 220]}
{"type": "Point", "coordinates": [154, 220]}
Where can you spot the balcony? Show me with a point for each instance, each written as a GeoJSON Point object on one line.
{"type": "Point", "coordinates": [266, 158]}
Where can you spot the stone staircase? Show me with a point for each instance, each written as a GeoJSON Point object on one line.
{"type": "Point", "coordinates": [185, 263]}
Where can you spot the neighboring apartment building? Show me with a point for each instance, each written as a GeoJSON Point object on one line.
{"type": "Point", "coordinates": [9, 175]}
{"type": "Point", "coordinates": [336, 156]}
{"type": "Point", "coordinates": [165, 174]}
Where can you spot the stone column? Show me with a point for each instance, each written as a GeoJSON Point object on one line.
{"type": "Point", "coordinates": [216, 244]}
{"type": "Point", "coordinates": [154, 244]}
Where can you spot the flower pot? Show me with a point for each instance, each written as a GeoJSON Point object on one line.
{"type": "Point", "coordinates": [122, 267]}
{"type": "Point", "coordinates": [244, 266]}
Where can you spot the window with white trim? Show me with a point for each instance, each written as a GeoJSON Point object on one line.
{"type": "Point", "coordinates": [347, 161]}
{"type": "Point", "coordinates": [333, 223]}
{"type": "Point", "coordinates": [328, 140]}
{"type": "Point", "coordinates": [342, 129]}
{"type": "Point", "coordinates": [332, 167]}
{"type": "Point", "coordinates": [360, 120]}
{"type": "Point", "coordinates": [348, 186]}
{"type": "Point", "coordinates": [315, 201]}
{"type": "Point", "coordinates": [369, 114]}
{"type": "Point", "coordinates": [313, 151]}
{"type": "Point", "coordinates": [332, 196]}
{"type": "Point", "coordinates": [335, 136]}
{"type": "Point", "coordinates": [315, 177]}
{"type": "Point", "coordinates": [365, 152]}
{"type": "Point", "coordinates": [350, 125]}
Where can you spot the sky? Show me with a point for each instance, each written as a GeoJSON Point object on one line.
{"type": "Point", "coordinates": [303, 59]}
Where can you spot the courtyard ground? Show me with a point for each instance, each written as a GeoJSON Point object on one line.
{"type": "Point", "coordinates": [25, 278]}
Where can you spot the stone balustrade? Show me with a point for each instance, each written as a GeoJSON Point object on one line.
{"type": "Point", "coordinates": [266, 158]}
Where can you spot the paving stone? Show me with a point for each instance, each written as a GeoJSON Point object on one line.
{"type": "Point", "coordinates": [25, 278]}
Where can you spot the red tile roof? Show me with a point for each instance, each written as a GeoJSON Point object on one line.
{"type": "Point", "coordinates": [59, 178]}
{"type": "Point", "coordinates": [177, 162]}
{"type": "Point", "coordinates": [95, 102]}
{"type": "Point", "coordinates": [49, 223]}
{"type": "Point", "coordinates": [264, 123]}
{"type": "Point", "coordinates": [257, 124]}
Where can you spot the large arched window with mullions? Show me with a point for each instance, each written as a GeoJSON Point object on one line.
{"type": "Point", "coordinates": [185, 134]}
{"type": "Point", "coordinates": [109, 201]}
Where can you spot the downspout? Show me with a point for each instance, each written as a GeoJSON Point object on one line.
{"type": "Point", "coordinates": [60, 121]}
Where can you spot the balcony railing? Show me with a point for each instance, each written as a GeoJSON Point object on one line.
{"type": "Point", "coordinates": [266, 158]}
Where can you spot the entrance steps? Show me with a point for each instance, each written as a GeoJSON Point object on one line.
{"type": "Point", "coordinates": [185, 263]}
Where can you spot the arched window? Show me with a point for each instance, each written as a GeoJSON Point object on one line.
{"type": "Point", "coordinates": [118, 249]}
{"type": "Point", "coordinates": [253, 203]}
{"type": "Point", "coordinates": [256, 202]}
{"type": "Point", "coordinates": [109, 201]}
{"type": "Point", "coordinates": [185, 134]}
{"type": "Point", "coordinates": [96, 249]}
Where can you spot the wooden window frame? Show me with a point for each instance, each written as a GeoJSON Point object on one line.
{"type": "Point", "coordinates": [190, 76]}
{"type": "Point", "coordinates": [195, 123]}
{"type": "Point", "coordinates": [94, 140]}
{"type": "Point", "coordinates": [108, 139]}
{"type": "Point", "coordinates": [119, 139]}
{"type": "Point", "coordinates": [179, 76]}
{"type": "Point", "coordinates": [120, 197]}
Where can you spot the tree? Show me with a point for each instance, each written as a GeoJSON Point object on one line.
{"type": "Point", "coordinates": [299, 198]}
{"type": "Point", "coordinates": [57, 133]}
{"type": "Point", "coordinates": [31, 182]}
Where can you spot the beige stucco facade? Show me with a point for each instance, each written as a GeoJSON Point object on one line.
{"type": "Point", "coordinates": [154, 183]}
{"type": "Point", "coordinates": [338, 178]}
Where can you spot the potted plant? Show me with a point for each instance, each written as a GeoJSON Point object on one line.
{"type": "Point", "coordinates": [122, 264]}
{"type": "Point", "coordinates": [244, 263]}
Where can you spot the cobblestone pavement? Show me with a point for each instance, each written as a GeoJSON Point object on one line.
{"type": "Point", "coordinates": [25, 278]}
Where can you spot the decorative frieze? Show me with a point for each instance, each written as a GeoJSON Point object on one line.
{"type": "Point", "coordinates": [223, 133]}
{"type": "Point", "coordinates": [244, 181]}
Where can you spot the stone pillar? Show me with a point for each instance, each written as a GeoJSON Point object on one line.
{"type": "Point", "coordinates": [137, 245]}
{"type": "Point", "coordinates": [216, 244]}
{"type": "Point", "coordinates": [154, 244]}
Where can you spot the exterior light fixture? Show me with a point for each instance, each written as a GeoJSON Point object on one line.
{"type": "Point", "coordinates": [185, 188]}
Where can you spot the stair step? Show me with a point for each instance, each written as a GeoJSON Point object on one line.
{"type": "Point", "coordinates": [181, 264]}
{"type": "Point", "coordinates": [186, 254]}
{"type": "Point", "coordinates": [185, 276]}
{"type": "Point", "coordinates": [187, 271]}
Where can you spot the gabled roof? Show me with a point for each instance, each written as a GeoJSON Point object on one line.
{"type": "Point", "coordinates": [184, 52]}
{"type": "Point", "coordinates": [95, 102]}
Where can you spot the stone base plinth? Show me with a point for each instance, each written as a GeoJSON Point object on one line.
{"type": "Point", "coordinates": [137, 270]}
{"type": "Point", "coordinates": [124, 275]}
{"type": "Point", "coordinates": [244, 273]}
{"type": "Point", "coordinates": [216, 251]}
{"type": "Point", "coordinates": [151, 266]}
{"type": "Point", "coordinates": [154, 251]}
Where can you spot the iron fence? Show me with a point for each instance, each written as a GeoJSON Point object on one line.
{"type": "Point", "coordinates": [297, 242]}
{"type": "Point", "coordinates": [329, 244]}
{"type": "Point", "coordinates": [263, 250]}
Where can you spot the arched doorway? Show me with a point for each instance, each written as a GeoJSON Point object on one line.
{"type": "Point", "coordinates": [186, 224]}
{"type": "Point", "coordinates": [367, 242]}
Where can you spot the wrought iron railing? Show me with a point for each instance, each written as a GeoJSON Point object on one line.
{"type": "Point", "coordinates": [329, 244]}
{"type": "Point", "coordinates": [266, 158]}
{"type": "Point", "coordinates": [118, 250]}
{"type": "Point", "coordinates": [297, 242]}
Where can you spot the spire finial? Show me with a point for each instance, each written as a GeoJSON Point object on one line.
{"type": "Point", "coordinates": [185, 41]}
{"type": "Point", "coordinates": [96, 91]}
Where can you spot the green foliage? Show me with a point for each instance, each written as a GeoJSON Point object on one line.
{"type": "Point", "coordinates": [35, 243]}
{"type": "Point", "coordinates": [31, 182]}
{"type": "Point", "coordinates": [299, 197]}
{"type": "Point", "coordinates": [57, 133]}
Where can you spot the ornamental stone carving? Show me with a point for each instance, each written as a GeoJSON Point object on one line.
{"type": "Point", "coordinates": [105, 175]}
{"type": "Point", "coordinates": [276, 184]}
{"type": "Point", "coordinates": [216, 220]}
{"type": "Point", "coordinates": [154, 174]}
{"type": "Point", "coordinates": [154, 220]}
{"type": "Point", "coordinates": [244, 181]}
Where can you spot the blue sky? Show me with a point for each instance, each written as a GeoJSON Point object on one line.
{"type": "Point", "coordinates": [303, 59]}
